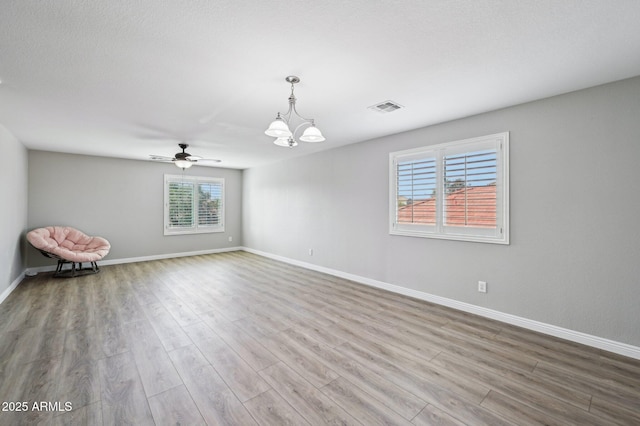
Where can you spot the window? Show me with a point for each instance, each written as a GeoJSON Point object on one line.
{"type": "Point", "coordinates": [457, 190]}
{"type": "Point", "coordinates": [193, 204]}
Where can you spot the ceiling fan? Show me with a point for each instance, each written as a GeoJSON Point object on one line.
{"type": "Point", "coordinates": [183, 159]}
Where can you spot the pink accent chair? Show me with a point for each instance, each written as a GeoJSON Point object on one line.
{"type": "Point", "coordinates": [69, 245]}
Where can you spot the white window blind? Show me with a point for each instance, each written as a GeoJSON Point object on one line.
{"type": "Point", "coordinates": [416, 189]}
{"type": "Point", "coordinates": [456, 190]}
{"type": "Point", "coordinates": [470, 189]}
{"type": "Point", "coordinates": [193, 204]}
{"type": "Point", "coordinates": [181, 205]}
{"type": "Point", "coordinates": [209, 204]}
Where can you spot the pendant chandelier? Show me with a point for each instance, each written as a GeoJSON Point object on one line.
{"type": "Point", "coordinates": [280, 128]}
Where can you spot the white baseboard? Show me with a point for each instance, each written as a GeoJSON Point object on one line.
{"type": "Point", "coordinates": [563, 333]}
{"type": "Point", "coordinates": [12, 287]}
{"type": "Point", "coordinates": [50, 268]}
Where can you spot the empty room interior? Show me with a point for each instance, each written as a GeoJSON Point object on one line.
{"type": "Point", "coordinates": [320, 212]}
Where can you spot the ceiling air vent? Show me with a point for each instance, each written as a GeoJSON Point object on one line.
{"type": "Point", "coordinates": [386, 106]}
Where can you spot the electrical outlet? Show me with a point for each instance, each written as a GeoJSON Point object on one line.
{"type": "Point", "coordinates": [482, 286]}
{"type": "Point", "coordinates": [310, 252]}
{"type": "Point", "coordinates": [230, 239]}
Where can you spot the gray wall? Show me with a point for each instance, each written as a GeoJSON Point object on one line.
{"type": "Point", "coordinates": [574, 257]}
{"type": "Point", "coordinates": [121, 200]}
{"type": "Point", "coordinates": [13, 214]}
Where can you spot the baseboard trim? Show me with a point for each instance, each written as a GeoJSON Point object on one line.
{"type": "Point", "coordinates": [12, 287]}
{"type": "Point", "coordinates": [552, 330]}
{"type": "Point", "coordinates": [50, 268]}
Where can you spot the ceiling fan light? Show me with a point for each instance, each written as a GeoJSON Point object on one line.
{"type": "Point", "coordinates": [287, 142]}
{"type": "Point", "coordinates": [183, 164]}
{"type": "Point", "coordinates": [312, 134]}
{"type": "Point", "coordinates": [278, 128]}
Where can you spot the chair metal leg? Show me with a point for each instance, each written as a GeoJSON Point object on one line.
{"type": "Point", "coordinates": [73, 271]}
{"type": "Point", "coordinates": [76, 269]}
{"type": "Point", "coordinates": [59, 268]}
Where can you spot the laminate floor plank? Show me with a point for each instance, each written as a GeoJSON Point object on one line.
{"type": "Point", "coordinates": [32, 383]}
{"type": "Point", "coordinates": [346, 325]}
{"type": "Point", "coordinates": [175, 407]}
{"type": "Point", "coordinates": [319, 332]}
{"type": "Point", "coordinates": [433, 416]}
{"type": "Point", "coordinates": [609, 390]}
{"type": "Point", "coordinates": [88, 415]}
{"type": "Point", "coordinates": [196, 299]}
{"type": "Point", "coordinates": [305, 364]}
{"type": "Point", "coordinates": [619, 366]}
{"type": "Point", "coordinates": [393, 396]}
{"type": "Point", "coordinates": [113, 338]}
{"type": "Point", "coordinates": [616, 414]}
{"type": "Point", "coordinates": [518, 412]}
{"type": "Point", "coordinates": [415, 353]}
{"type": "Point", "coordinates": [270, 409]}
{"type": "Point", "coordinates": [123, 399]}
{"type": "Point", "coordinates": [9, 340]}
{"type": "Point", "coordinates": [168, 330]}
{"type": "Point", "coordinates": [36, 343]}
{"type": "Point", "coordinates": [28, 418]}
{"type": "Point", "coordinates": [313, 405]}
{"type": "Point", "coordinates": [144, 292]}
{"type": "Point", "coordinates": [176, 306]}
{"type": "Point", "coordinates": [128, 307]}
{"type": "Point", "coordinates": [215, 401]}
{"type": "Point", "coordinates": [79, 381]}
{"type": "Point", "coordinates": [55, 313]}
{"type": "Point", "coordinates": [81, 314]}
{"type": "Point", "coordinates": [30, 313]}
{"type": "Point", "coordinates": [454, 342]}
{"type": "Point", "coordinates": [249, 349]}
{"type": "Point", "coordinates": [199, 332]}
{"type": "Point", "coordinates": [240, 339]}
{"type": "Point", "coordinates": [555, 408]}
{"type": "Point", "coordinates": [239, 376]}
{"type": "Point", "coordinates": [579, 363]}
{"type": "Point", "coordinates": [509, 380]}
{"type": "Point", "coordinates": [15, 307]}
{"type": "Point", "coordinates": [259, 327]}
{"type": "Point", "coordinates": [414, 377]}
{"type": "Point", "coordinates": [156, 370]}
{"type": "Point", "coordinates": [233, 307]}
{"type": "Point", "coordinates": [361, 405]}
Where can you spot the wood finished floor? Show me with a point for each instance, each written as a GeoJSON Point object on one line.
{"type": "Point", "coordinates": [236, 338]}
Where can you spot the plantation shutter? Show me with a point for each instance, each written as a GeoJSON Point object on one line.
{"type": "Point", "coordinates": [416, 191]}
{"type": "Point", "coordinates": [209, 203]}
{"type": "Point", "coordinates": [470, 189]}
{"type": "Point", "coordinates": [181, 205]}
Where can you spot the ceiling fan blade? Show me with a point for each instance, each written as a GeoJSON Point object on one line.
{"type": "Point", "coordinates": [184, 155]}
{"type": "Point", "coordinates": [161, 157]}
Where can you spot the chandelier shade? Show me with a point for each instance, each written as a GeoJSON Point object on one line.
{"type": "Point", "coordinates": [285, 141]}
{"type": "Point", "coordinates": [312, 134]}
{"type": "Point", "coordinates": [278, 128]}
{"type": "Point", "coordinates": [281, 127]}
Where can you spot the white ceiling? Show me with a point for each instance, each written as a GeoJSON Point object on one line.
{"type": "Point", "coordinates": [129, 78]}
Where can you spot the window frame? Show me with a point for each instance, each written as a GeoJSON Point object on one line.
{"type": "Point", "coordinates": [438, 152]}
{"type": "Point", "coordinates": [196, 228]}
